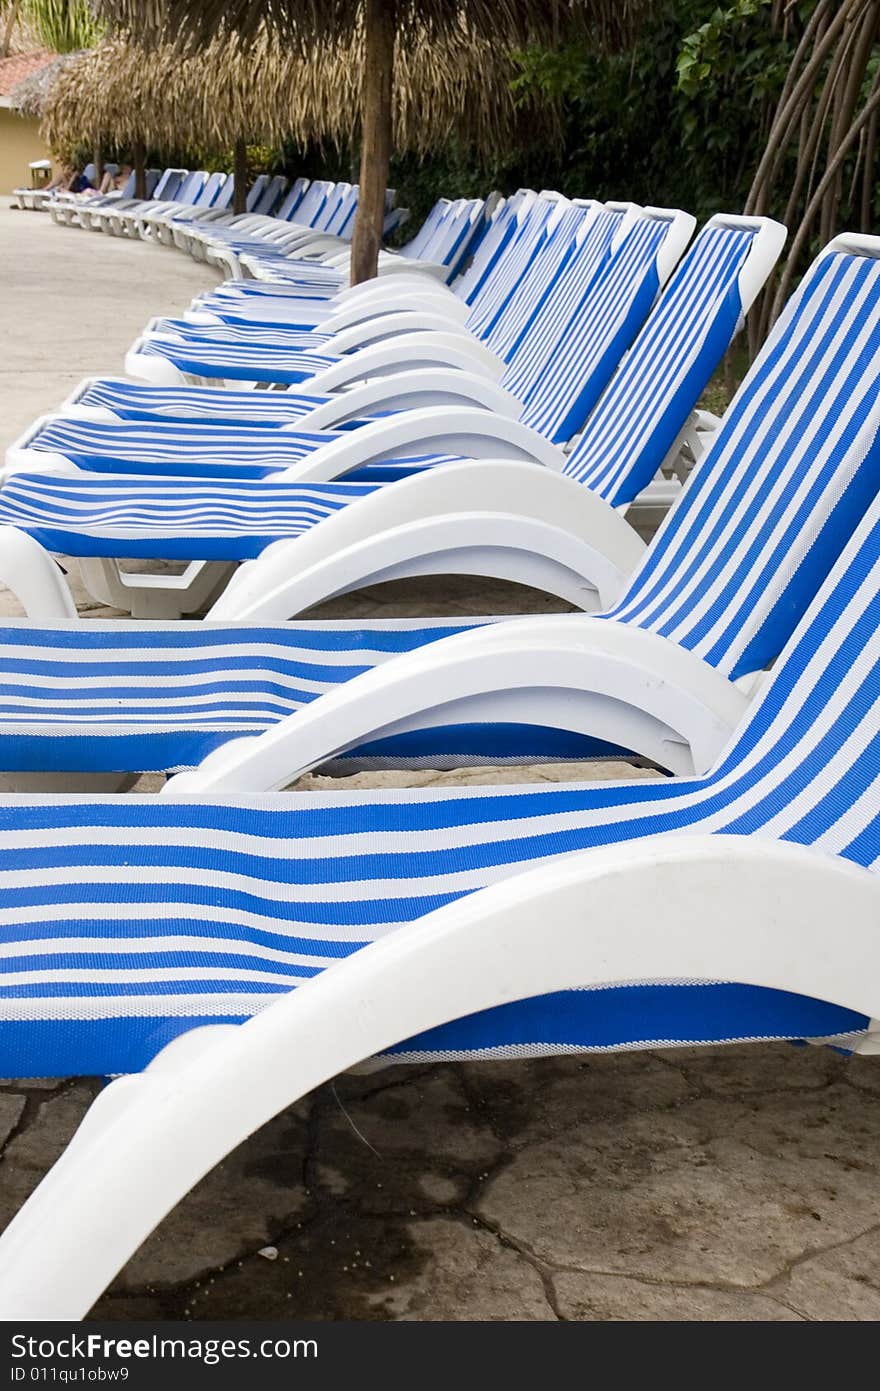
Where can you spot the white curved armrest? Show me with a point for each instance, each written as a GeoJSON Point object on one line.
{"type": "Point", "coordinates": [508, 520]}
{"type": "Point", "coordinates": [377, 327]}
{"type": "Point", "coordinates": [465, 431]}
{"type": "Point", "coordinates": [397, 299]}
{"type": "Point", "coordinates": [408, 277]}
{"type": "Point", "coordinates": [620, 684]}
{"type": "Point", "coordinates": [34, 578]}
{"type": "Point", "coordinates": [400, 391]}
{"type": "Point", "coordinates": [406, 350]}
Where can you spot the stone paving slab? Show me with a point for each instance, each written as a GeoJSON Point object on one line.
{"type": "Point", "coordinates": [717, 1184]}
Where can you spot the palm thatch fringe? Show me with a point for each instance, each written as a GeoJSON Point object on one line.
{"type": "Point", "coordinates": [458, 86]}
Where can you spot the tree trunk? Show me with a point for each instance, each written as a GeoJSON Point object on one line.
{"type": "Point", "coordinates": [8, 28]}
{"type": "Point", "coordinates": [139, 157]}
{"type": "Point", "coordinates": [98, 161]}
{"type": "Point", "coordinates": [380, 24]}
{"type": "Point", "coordinates": [240, 173]}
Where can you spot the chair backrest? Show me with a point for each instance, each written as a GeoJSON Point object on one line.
{"type": "Point", "coordinates": [579, 229]}
{"type": "Point", "coordinates": [293, 200]}
{"type": "Point", "coordinates": [508, 269]}
{"type": "Point", "coordinates": [392, 220]}
{"type": "Point", "coordinates": [440, 229]}
{"type": "Point", "coordinates": [490, 244]}
{"type": "Point", "coordinates": [313, 202]}
{"type": "Point", "coordinates": [449, 230]}
{"type": "Point", "coordinates": [89, 173]}
{"type": "Point", "coordinates": [414, 245]}
{"type": "Point", "coordinates": [256, 192]}
{"type": "Point", "coordinates": [804, 766]}
{"type": "Point", "coordinates": [792, 468]}
{"type": "Point", "coordinates": [169, 183]}
{"type": "Point", "coordinates": [647, 403]}
{"type": "Point", "coordinates": [463, 246]}
{"type": "Point", "coordinates": [341, 224]}
{"type": "Point", "coordinates": [338, 200]}
{"type": "Point", "coordinates": [194, 189]}
{"type": "Point", "coordinates": [128, 188]}
{"type": "Point", "coordinates": [273, 191]}
{"type": "Point", "coordinates": [449, 244]}
{"type": "Point", "coordinates": [560, 375]}
{"type": "Point", "coordinates": [214, 192]}
{"type": "Point", "coordinates": [571, 285]}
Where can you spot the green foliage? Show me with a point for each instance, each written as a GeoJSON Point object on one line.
{"type": "Point", "coordinates": [709, 49]}
{"type": "Point", "coordinates": [680, 120]}
{"type": "Point", "coordinates": [62, 25]}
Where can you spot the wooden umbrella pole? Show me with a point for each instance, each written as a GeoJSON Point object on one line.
{"type": "Point", "coordinates": [139, 157]}
{"type": "Point", "coordinates": [240, 171]}
{"type": "Point", "coordinates": [380, 23]}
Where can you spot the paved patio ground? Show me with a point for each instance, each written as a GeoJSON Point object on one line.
{"type": "Point", "coordinates": [694, 1184]}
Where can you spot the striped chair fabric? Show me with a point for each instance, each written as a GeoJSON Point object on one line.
{"type": "Point", "coordinates": [127, 921]}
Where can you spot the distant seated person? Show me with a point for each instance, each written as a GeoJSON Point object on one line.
{"type": "Point", "coordinates": [78, 183]}
{"type": "Point", "coordinates": [61, 181]}
{"type": "Point", "coordinates": [107, 184]}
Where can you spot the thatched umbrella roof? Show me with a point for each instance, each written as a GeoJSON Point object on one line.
{"type": "Point", "coordinates": [389, 31]}
{"type": "Point", "coordinates": [456, 84]}
{"type": "Point", "coordinates": [117, 92]}
{"type": "Point", "coordinates": [29, 96]}
{"type": "Point", "coordinates": [121, 94]}
{"type": "Point", "coordinates": [501, 22]}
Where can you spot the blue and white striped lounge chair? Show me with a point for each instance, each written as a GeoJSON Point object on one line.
{"type": "Point", "coordinates": [505, 329]}
{"type": "Point", "coordinates": [639, 421]}
{"type": "Point", "coordinates": [259, 226]}
{"type": "Point", "coordinates": [61, 201]}
{"type": "Point", "coordinates": [550, 242]}
{"type": "Point", "coordinates": [327, 248]}
{"type": "Point", "coordinates": [118, 216]}
{"type": "Point", "coordinates": [65, 207]}
{"type": "Point", "coordinates": [182, 188]}
{"type": "Point", "coordinates": [202, 193]}
{"type": "Point", "coordinates": [537, 218]}
{"type": "Point", "coordinates": [113, 399]}
{"type": "Point", "coordinates": [664, 673]}
{"type": "Point", "coordinates": [264, 209]}
{"type": "Point", "coordinates": [110, 399]}
{"type": "Point", "coordinates": [79, 215]}
{"type": "Point", "coordinates": [160, 184]}
{"type": "Point", "coordinates": [243, 951]}
{"type": "Point", "coordinates": [169, 225]}
{"type": "Point", "coordinates": [323, 249]}
{"type": "Point", "coordinates": [295, 294]}
{"type": "Point", "coordinates": [640, 258]}
{"type": "Point", "coordinates": [510, 221]}
{"type": "Point", "coordinates": [165, 187]}
{"type": "Point", "coordinates": [687, 332]}
{"type": "Point", "coordinates": [563, 391]}
{"type": "Point", "coordinates": [328, 234]}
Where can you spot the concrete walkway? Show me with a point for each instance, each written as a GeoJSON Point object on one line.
{"type": "Point", "coordinates": [693, 1184]}
{"type": "Point", "coordinates": [71, 303]}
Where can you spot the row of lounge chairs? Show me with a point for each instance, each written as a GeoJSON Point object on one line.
{"type": "Point", "coordinates": [526, 412]}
